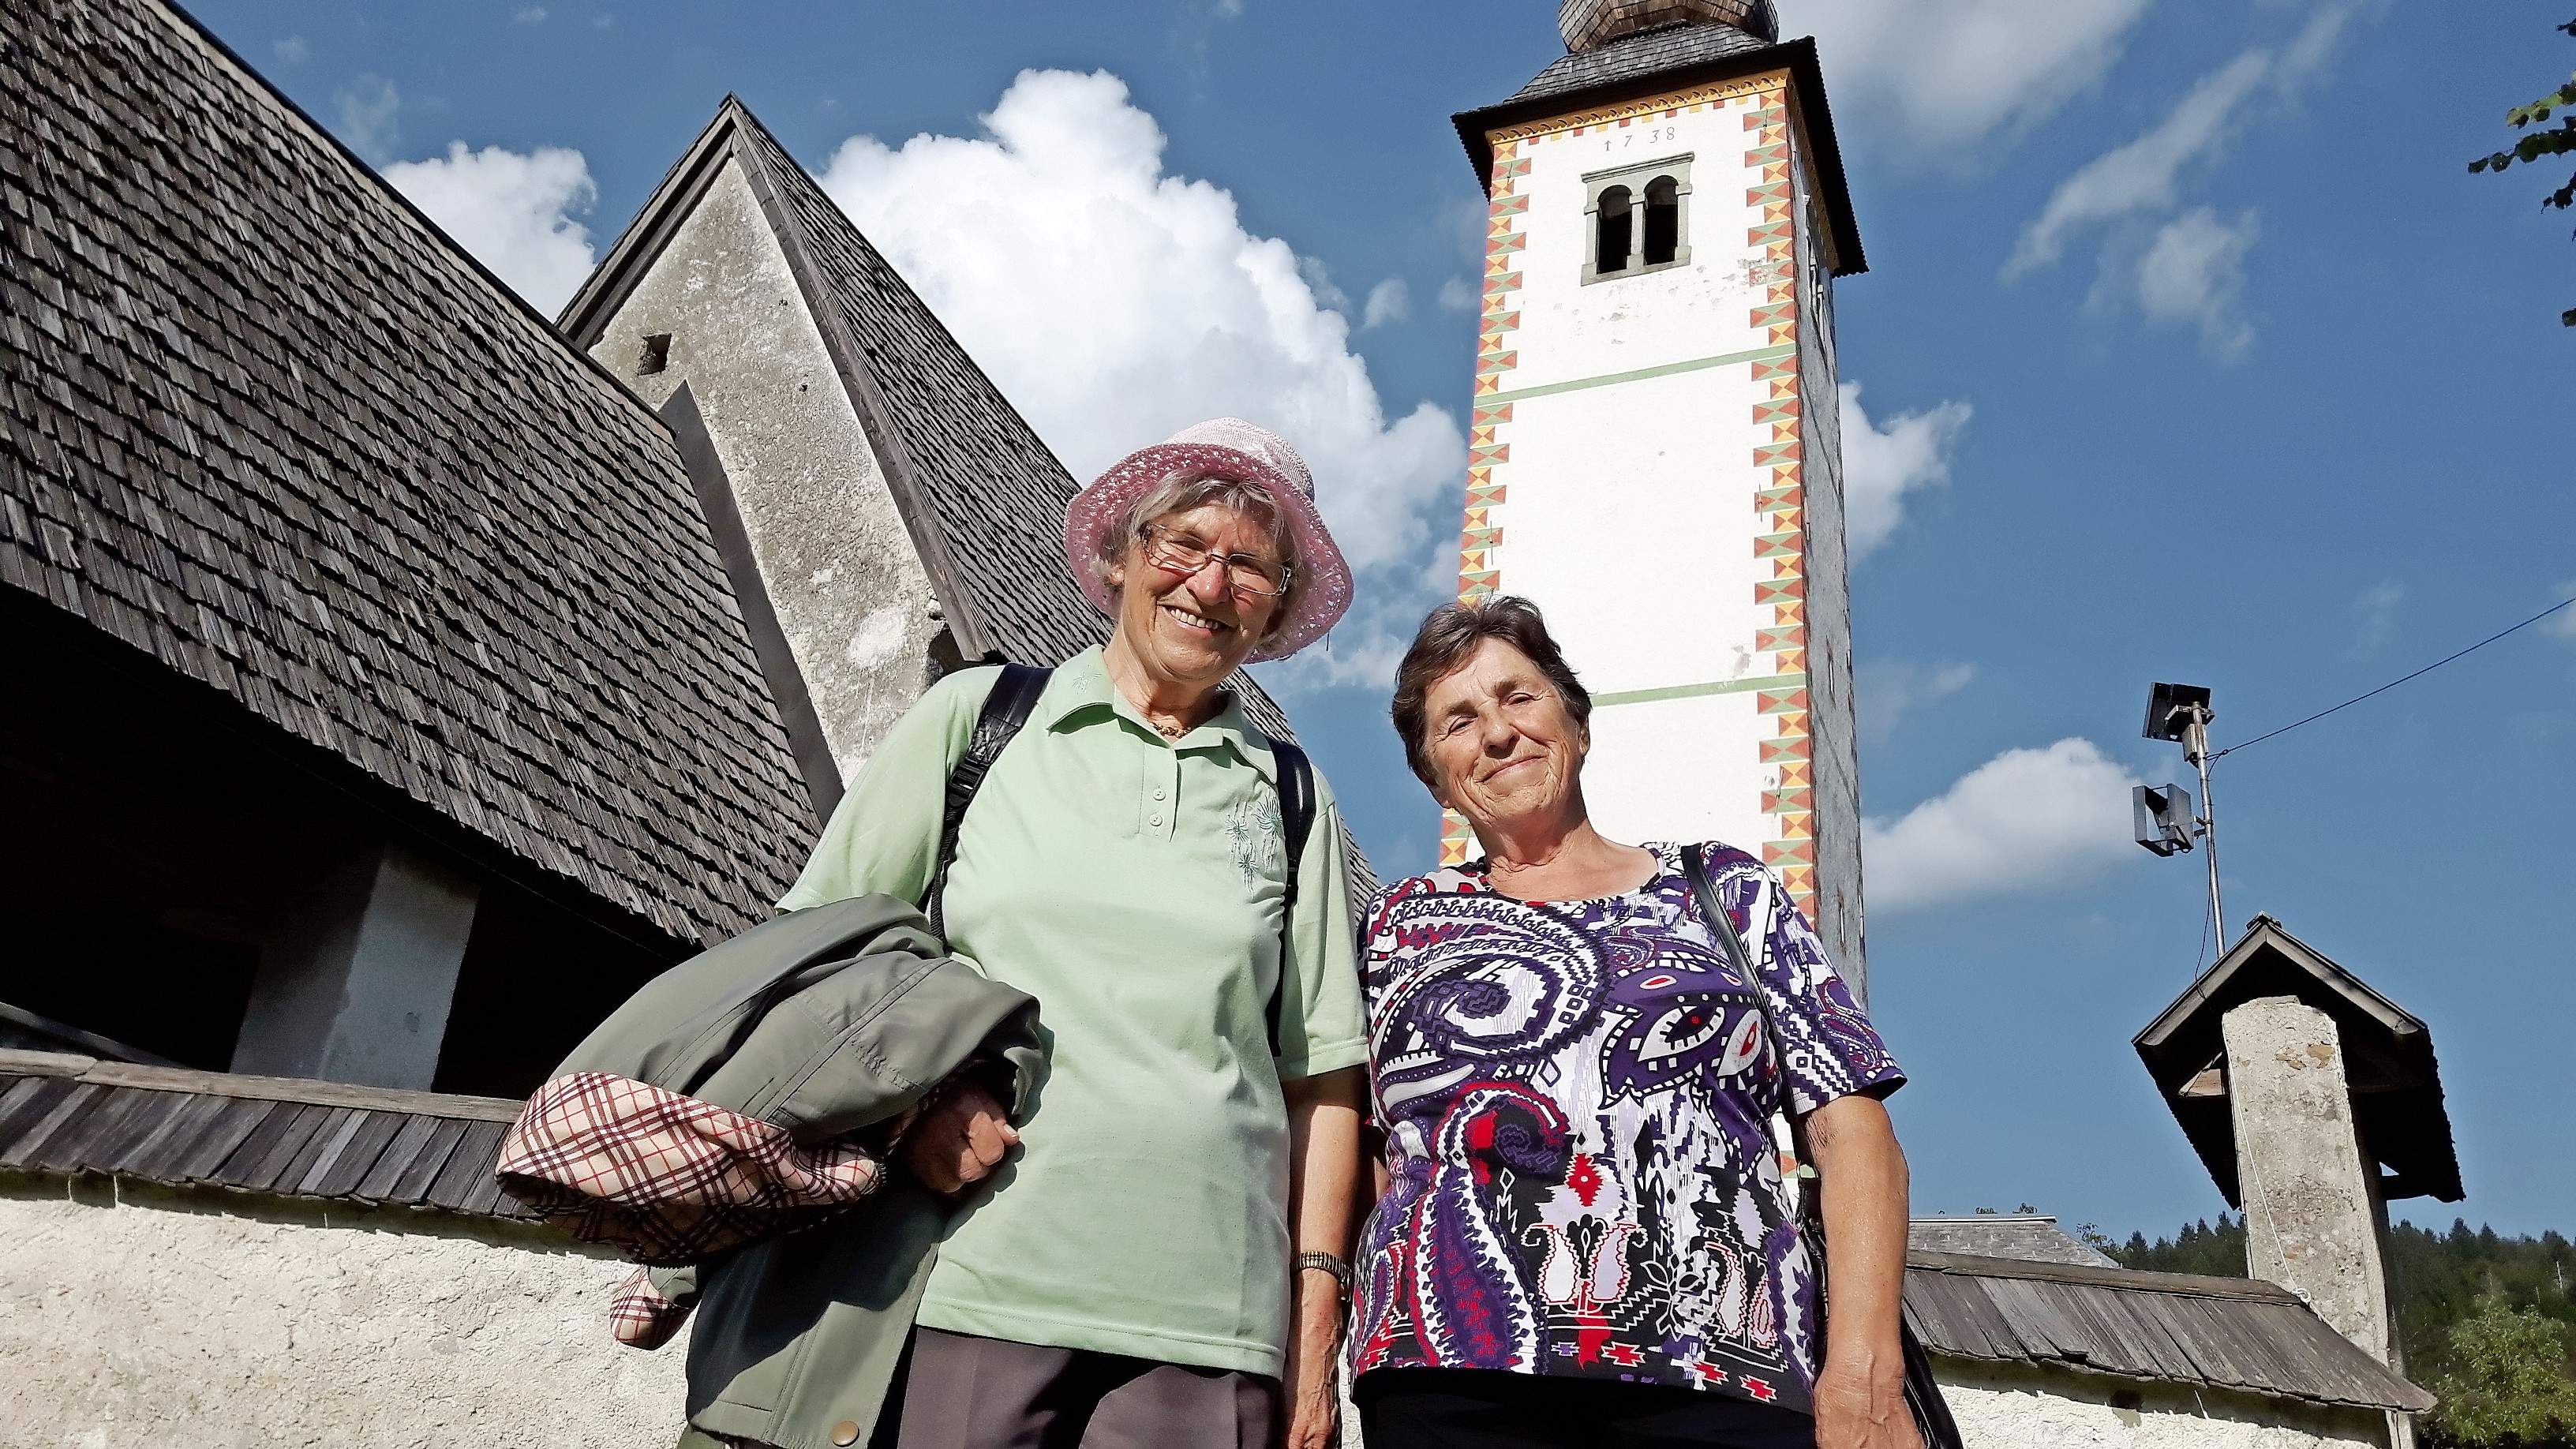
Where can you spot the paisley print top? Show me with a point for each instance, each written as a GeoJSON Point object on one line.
{"type": "Point", "coordinates": [1577, 1099]}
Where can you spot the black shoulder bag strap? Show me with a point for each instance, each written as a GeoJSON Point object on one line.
{"type": "Point", "coordinates": [1922, 1395]}
{"type": "Point", "coordinates": [1007, 708]}
{"type": "Point", "coordinates": [1297, 822]}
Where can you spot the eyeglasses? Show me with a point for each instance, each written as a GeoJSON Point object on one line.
{"type": "Point", "coordinates": [1246, 573]}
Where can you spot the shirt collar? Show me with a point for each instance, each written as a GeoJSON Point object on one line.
{"type": "Point", "coordinates": [1081, 694]}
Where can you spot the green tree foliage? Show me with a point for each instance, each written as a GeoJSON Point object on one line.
{"type": "Point", "coordinates": [2444, 1282]}
{"type": "Point", "coordinates": [2541, 140]}
{"type": "Point", "coordinates": [2215, 1252]}
{"type": "Point", "coordinates": [2507, 1384]}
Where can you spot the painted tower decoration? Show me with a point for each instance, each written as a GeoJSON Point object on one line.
{"type": "Point", "coordinates": [1654, 457]}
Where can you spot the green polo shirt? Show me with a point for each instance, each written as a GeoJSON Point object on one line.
{"type": "Point", "coordinates": [1133, 885]}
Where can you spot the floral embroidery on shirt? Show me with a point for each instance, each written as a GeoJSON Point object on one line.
{"type": "Point", "coordinates": [1259, 836]}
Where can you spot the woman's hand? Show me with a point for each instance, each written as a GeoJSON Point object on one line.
{"type": "Point", "coordinates": [960, 1139]}
{"type": "Point", "coordinates": [1863, 1409]}
{"type": "Point", "coordinates": [1314, 1408]}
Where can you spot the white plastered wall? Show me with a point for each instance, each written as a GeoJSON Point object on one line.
{"type": "Point", "coordinates": [2002, 1407]}
{"type": "Point", "coordinates": [199, 1321]}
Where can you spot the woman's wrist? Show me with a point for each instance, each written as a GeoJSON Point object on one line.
{"type": "Point", "coordinates": [1864, 1364]}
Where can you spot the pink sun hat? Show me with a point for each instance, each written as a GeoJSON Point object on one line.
{"type": "Point", "coordinates": [1233, 449]}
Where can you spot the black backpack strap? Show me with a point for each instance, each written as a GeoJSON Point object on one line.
{"type": "Point", "coordinates": [1297, 822]}
{"type": "Point", "coordinates": [1007, 708]}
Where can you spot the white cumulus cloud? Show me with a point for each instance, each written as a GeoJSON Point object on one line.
{"type": "Point", "coordinates": [1115, 302]}
{"type": "Point", "coordinates": [1459, 295]}
{"type": "Point", "coordinates": [2143, 176]}
{"type": "Point", "coordinates": [1388, 301]}
{"type": "Point", "coordinates": [2187, 269]}
{"type": "Point", "coordinates": [512, 210]}
{"type": "Point", "coordinates": [2026, 820]}
{"type": "Point", "coordinates": [1888, 690]}
{"type": "Point", "coordinates": [368, 106]}
{"type": "Point", "coordinates": [1884, 463]}
{"type": "Point", "coordinates": [2376, 610]}
{"type": "Point", "coordinates": [2193, 274]}
{"type": "Point", "coordinates": [2562, 625]}
{"type": "Point", "coordinates": [1942, 74]}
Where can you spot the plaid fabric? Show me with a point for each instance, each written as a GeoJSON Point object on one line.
{"type": "Point", "coordinates": [668, 1179]}
{"type": "Point", "coordinates": [641, 1317]}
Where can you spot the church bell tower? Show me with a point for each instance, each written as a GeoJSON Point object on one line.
{"type": "Point", "coordinates": [1654, 456]}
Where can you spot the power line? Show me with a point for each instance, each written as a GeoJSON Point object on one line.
{"type": "Point", "coordinates": [2392, 684]}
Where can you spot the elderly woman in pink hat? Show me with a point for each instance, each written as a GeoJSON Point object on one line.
{"type": "Point", "coordinates": [1154, 1253]}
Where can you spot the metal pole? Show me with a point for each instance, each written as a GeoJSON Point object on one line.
{"type": "Point", "coordinates": [2195, 747]}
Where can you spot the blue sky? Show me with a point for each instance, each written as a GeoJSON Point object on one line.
{"type": "Point", "coordinates": [2190, 351]}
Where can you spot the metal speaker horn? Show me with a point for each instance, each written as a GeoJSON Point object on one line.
{"type": "Point", "coordinates": [2164, 817]}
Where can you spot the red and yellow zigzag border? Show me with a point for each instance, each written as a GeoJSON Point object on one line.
{"type": "Point", "coordinates": [1780, 503]}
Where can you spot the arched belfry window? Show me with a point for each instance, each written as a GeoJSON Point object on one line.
{"type": "Point", "coordinates": [1663, 220]}
{"type": "Point", "coordinates": [1639, 217]}
{"type": "Point", "coordinates": [1613, 229]}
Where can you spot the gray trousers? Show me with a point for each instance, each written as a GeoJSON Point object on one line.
{"type": "Point", "coordinates": [961, 1392]}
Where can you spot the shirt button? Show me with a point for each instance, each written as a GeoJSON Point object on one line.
{"type": "Point", "coordinates": [1158, 792]}
{"type": "Point", "coordinates": [845, 1432]}
{"type": "Point", "coordinates": [1156, 822]}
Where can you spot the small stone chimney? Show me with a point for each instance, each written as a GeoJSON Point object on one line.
{"type": "Point", "coordinates": [2314, 1220]}
{"type": "Point", "coordinates": [2314, 1101]}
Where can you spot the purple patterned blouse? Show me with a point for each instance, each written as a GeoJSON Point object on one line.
{"type": "Point", "coordinates": [1576, 1097]}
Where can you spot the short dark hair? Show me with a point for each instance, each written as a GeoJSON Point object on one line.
{"type": "Point", "coordinates": [1448, 635]}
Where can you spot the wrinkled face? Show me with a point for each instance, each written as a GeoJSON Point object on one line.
{"type": "Point", "coordinates": [1194, 628]}
{"type": "Point", "coordinates": [1501, 743]}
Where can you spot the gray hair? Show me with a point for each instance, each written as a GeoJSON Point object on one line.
{"type": "Point", "coordinates": [1183, 492]}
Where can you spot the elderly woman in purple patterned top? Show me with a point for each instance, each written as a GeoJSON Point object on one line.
{"type": "Point", "coordinates": [1586, 1236]}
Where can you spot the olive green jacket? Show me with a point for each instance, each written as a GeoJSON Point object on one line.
{"type": "Point", "coordinates": [823, 1021]}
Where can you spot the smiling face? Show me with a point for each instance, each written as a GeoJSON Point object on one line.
{"type": "Point", "coordinates": [1502, 746]}
{"type": "Point", "coordinates": [1194, 630]}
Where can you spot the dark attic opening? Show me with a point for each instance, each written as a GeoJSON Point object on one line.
{"type": "Point", "coordinates": [182, 889]}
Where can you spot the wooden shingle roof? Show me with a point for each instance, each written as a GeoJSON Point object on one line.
{"type": "Point", "coordinates": [2389, 1066]}
{"type": "Point", "coordinates": [2027, 1237]}
{"type": "Point", "coordinates": [66, 1116]}
{"type": "Point", "coordinates": [265, 424]}
{"type": "Point", "coordinates": [2228, 1333]}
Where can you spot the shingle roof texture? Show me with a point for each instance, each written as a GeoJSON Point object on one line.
{"type": "Point", "coordinates": [1632, 57]}
{"type": "Point", "coordinates": [69, 1116]}
{"type": "Point", "coordinates": [2228, 1333]}
{"type": "Point", "coordinates": [270, 427]}
{"type": "Point", "coordinates": [2031, 1239]}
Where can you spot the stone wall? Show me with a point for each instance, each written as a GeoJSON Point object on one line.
{"type": "Point", "coordinates": [141, 1317]}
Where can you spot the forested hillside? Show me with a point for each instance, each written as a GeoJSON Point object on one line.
{"type": "Point", "coordinates": [2487, 1321]}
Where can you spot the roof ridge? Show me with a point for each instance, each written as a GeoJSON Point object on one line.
{"type": "Point", "coordinates": [2141, 1280]}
